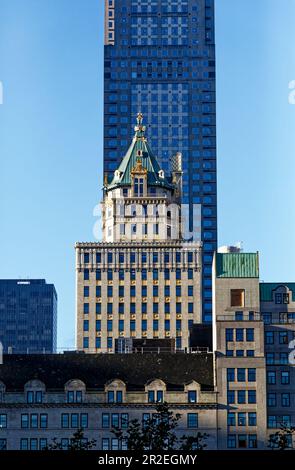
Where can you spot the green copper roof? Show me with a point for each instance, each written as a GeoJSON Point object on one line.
{"type": "Point", "coordinates": [237, 265]}
{"type": "Point", "coordinates": [267, 288]}
{"type": "Point", "coordinates": [139, 152]}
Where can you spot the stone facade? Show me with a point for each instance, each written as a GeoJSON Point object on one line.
{"type": "Point", "coordinates": [144, 279]}
{"type": "Point", "coordinates": [33, 412]}
{"type": "Point", "coordinates": [253, 330]}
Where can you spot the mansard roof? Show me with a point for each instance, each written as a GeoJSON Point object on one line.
{"type": "Point", "coordinates": [139, 156]}
{"type": "Point", "coordinates": [96, 370]}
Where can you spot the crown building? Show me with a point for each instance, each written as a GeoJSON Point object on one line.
{"type": "Point", "coordinates": [143, 280]}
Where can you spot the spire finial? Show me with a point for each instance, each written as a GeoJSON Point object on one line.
{"type": "Point", "coordinates": [139, 128]}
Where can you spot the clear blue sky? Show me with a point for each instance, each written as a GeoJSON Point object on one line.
{"type": "Point", "coordinates": [51, 67]}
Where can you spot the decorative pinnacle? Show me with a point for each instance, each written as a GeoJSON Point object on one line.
{"type": "Point", "coordinates": [139, 129]}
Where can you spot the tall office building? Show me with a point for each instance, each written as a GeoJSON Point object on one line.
{"type": "Point", "coordinates": [160, 60]}
{"type": "Point", "coordinates": [28, 316]}
{"type": "Point", "coordinates": [142, 280]}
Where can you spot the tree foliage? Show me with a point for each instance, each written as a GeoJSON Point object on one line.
{"type": "Point", "coordinates": [77, 442]}
{"type": "Point", "coordinates": [282, 439]}
{"type": "Point", "coordinates": [158, 433]}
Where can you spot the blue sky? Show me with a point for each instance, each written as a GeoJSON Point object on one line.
{"type": "Point", "coordinates": [51, 68]}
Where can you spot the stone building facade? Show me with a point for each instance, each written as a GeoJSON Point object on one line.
{"type": "Point", "coordinates": [99, 393]}
{"type": "Point", "coordinates": [253, 337]}
{"type": "Point", "coordinates": [144, 279]}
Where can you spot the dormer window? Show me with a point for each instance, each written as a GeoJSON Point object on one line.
{"type": "Point", "coordinates": [161, 174]}
{"type": "Point", "coordinates": [138, 187]}
{"type": "Point", "coordinates": [155, 396]}
{"type": "Point", "coordinates": [115, 396]}
{"type": "Point", "coordinates": [74, 396]}
{"type": "Point", "coordinates": [192, 396]}
{"type": "Point", "coordinates": [35, 396]}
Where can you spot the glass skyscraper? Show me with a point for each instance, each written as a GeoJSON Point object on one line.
{"type": "Point", "coordinates": [160, 60]}
{"type": "Point", "coordinates": [28, 316]}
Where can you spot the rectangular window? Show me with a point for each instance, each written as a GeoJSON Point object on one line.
{"type": "Point", "coordinates": [241, 396]}
{"type": "Point", "coordinates": [252, 441]}
{"type": "Point", "coordinates": [242, 419]}
{"type": "Point", "coordinates": [271, 399]}
{"type": "Point", "coordinates": [65, 421]}
{"type": "Point", "coordinates": [239, 334]}
{"type": "Point", "coordinates": [269, 337]}
{"type": "Point", "coordinates": [237, 297]}
{"type": "Point", "coordinates": [252, 396]}
{"type": "Point", "coordinates": [285, 399]}
{"type": "Point", "coordinates": [192, 396]}
{"type": "Point", "coordinates": [105, 420]}
{"type": "Point", "coordinates": [151, 396]}
{"type": "Point", "coordinates": [84, 420]}
{"type": "Point", "coordinates": [3, 421]}
{"type": "Point", "coordinates": [98, 274]}
{"type": "Point", "coordinates": [74, 420]}
{"type": "Point", "coordinates": [39, 396]}
{"type": "Point", "coordinates": [86, 308]}
{"type": "Point", "coordinates": [86, 291]}
{"type": "Point", "coordinates": [250, 334]}
{"type": "Point", "coordinates": [111, 396]}
{"type": "Point", "coordinates": [43, 421]}
{"type": "Point", "coordinates": [252, 419]}
{"type": "Point", "coordinates": [283, 337]}
{"type": "Point", "coordinates": [160, 396]}
{"type": "Point", "coordinates": [42, 443]}
{"type": "Point", "coordinates": [229, 334]}
{"type": "Point", "coordinates": [231, 419]}
{"type": "Point", "coordinates": [231, 441]}
{"type": "Point", "coordinates": [34, 421]}
{"type": "Point", "coordinates": [30, 397]}
{"type": "Point", "coordinates": [124, 420]}
{"type": "Point", "coordinates": [98, 291]}
{"type": "Point", "coordinates": [105, 444]}
{"type": "Point", "coordinates": [272, 421]}
{"type": "Point", "coordinates": [192, 420]}
{"type": "Point", "coordinates": [241, 375]}
{"type": "Point", "coordinates": [115, 420]}
{"type": "Point", "coordinates": [119, 396]}
{"type": "Point", "coordinates": [271, 378]}
{"type": "Point", "coordinates": [251, 375]}
{"type": "Point", "coordinates": [24, 444]}
{"type": "Point", "coordinates": [231, 375]}
{"type": "Point", "coordinates": [285, 378]}
{"type": "Point", "coordinates": [230, 397]}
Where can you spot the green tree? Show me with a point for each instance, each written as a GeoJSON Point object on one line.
{"type": "Point", "coordinates": [281, 439]}
{"type": "Point", "coordinates": [189, 443]}
{"type": "Point", "coordinates": [77, 442]}
{"type": "Point", "coordinates": [158, 433]}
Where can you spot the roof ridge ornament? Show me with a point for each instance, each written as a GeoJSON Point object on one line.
{"type": "Point", "coordinates": [139, 128]}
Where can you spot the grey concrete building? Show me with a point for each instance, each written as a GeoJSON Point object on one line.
{"type": "Point", "coordinates": [143, 280]}
{"type": "Point", "coordinates": [51, 396]}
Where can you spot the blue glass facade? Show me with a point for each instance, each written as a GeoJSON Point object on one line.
{"type": "Point", "coordinates": [28, 316]}
{"type": "Point", "coordinates": [160, 60]}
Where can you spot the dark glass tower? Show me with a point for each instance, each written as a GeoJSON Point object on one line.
{"type": "Point", "coordinates": [28, 316]}
{"type": "Point", "coordinates": [160, 60]}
